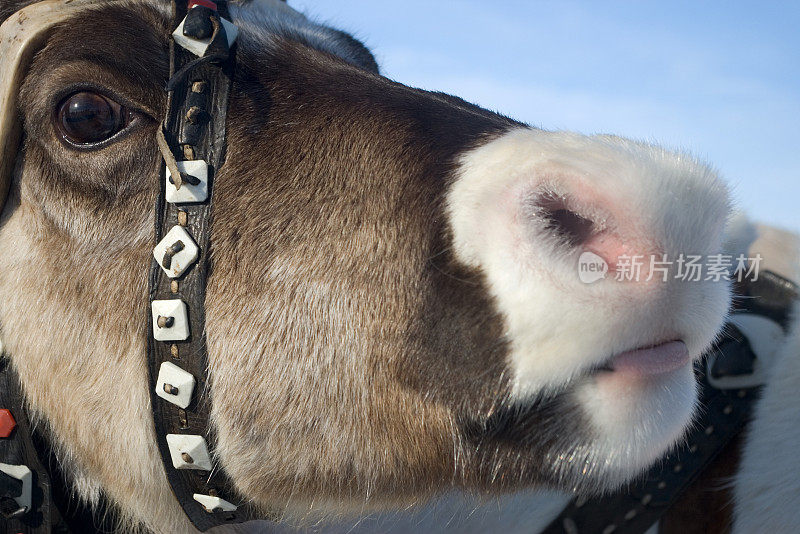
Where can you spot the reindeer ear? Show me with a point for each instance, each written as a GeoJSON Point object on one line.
{"type": "Point", "coordinates": [21, 36]}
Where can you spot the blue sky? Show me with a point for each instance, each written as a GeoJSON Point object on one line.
{"type": "Point", "coordinates": [721, 80]}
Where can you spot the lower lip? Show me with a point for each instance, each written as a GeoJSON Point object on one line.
{"type": "Point", "coordinates": [652, 361]}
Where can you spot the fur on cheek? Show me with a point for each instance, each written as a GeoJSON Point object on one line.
{"type": "Point", "coordinates": [86, 382]}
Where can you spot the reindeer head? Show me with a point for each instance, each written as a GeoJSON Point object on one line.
{"type": "Point", "coordinates": [394, 305]}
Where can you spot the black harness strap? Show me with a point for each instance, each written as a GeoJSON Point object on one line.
{"type": "Point", "coordinates": [18, 449]}
{"type": "Point", "coordinates": [724, 413]}
{"type": "Point", "coordinates": [194, 130]}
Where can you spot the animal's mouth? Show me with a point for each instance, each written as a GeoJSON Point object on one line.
{"type": "Point", "coordinates": [648, 361]}
{"type": "Point", "coordinates": [641, 396]}
{"type": "Point", "coordinates": [629, 367]}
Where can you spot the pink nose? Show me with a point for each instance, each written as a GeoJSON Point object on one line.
{"type": "Point", "coordinates": [593, 223]}
{"type": "Point", "coordinates": [608, 246]}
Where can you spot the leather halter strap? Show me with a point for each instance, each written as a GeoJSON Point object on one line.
{"type": "Point", "coordinates": [193, 145]}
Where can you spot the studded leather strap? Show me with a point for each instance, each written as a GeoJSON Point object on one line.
{"type": "Point", "coordinates": [194, 130]}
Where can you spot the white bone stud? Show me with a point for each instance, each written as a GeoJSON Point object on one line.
{"type": "Point", "coordinates": [170, 320]}
{"type": "Point", "coordinates": [24, 475]}
{"type": "Point", "coordinates": [189, 193]}
{"type": "Point", "coordinates": [214, 504]}
{"type": "Point", "coordinates": [188, 452]}
{"type": "Point", "coordinates": [198, 46]}
{"type": "Point", "coordinates": [176, 252]}
{"type": "Point", "coordinates": [175, 385]}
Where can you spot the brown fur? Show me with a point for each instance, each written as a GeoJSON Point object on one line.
{"type": "Point", "coordinates": [336, 316]}
{"type": "Point", "coordinates": [349, 174]}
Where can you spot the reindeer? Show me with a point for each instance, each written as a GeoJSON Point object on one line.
{"type": "Point", "coordinates": [393, 308]}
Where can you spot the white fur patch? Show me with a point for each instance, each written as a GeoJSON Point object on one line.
{"type": "Point", "coordinates": [635, 425]}
{"type": "Point", "coordinates": [559, 326]}
{"type": "Point", "coordinates": [651, 201]}
{"type": "Point", "coordinates": [767, 486]}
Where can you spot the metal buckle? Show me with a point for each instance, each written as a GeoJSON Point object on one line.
{"type": "Point", "coordinates": [9, 508]}
{"type": "Point", "coordinates": [765, 337]}
{"type": "Point", "coordinates": [198, 47]}
{"type": "Point", "coordinates": [17, 482]}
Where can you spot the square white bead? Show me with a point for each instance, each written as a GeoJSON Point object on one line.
{"type": "Point", "coordinates": [178, 380]}
{"type": "Point", "coordinates": [189, 193]}
{"type": "Point", "coordinates": [193, 446]}
{"type": "Point", "coordinates": [177, 328]}
{"type": "Point", "coordinates": [181, 261]}
{"type": "Point", "coordinates": [214, 504]}
{"type": "Point", "coordinates": [198, 46]}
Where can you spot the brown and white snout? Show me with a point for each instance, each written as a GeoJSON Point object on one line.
{"type": "Point", "coordinates": [531, 209]}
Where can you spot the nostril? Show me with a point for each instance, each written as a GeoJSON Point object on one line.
{"type": "Point", "coordinates": [570, 227]}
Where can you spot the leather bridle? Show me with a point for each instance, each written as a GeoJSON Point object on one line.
{"type": "Point", "coordinates": [192, 143]}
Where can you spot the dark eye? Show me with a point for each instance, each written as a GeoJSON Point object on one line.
{"type": "Point", "coordinates": [87, 118]}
